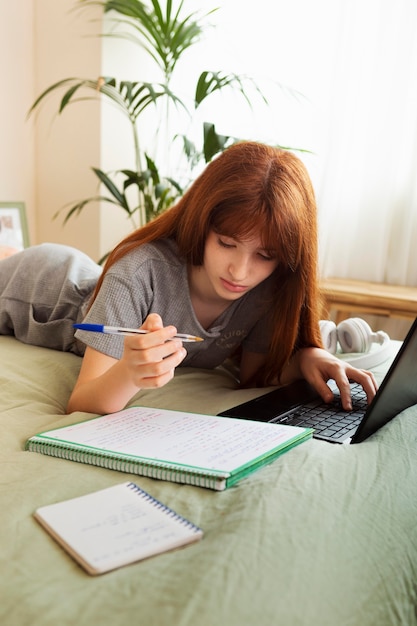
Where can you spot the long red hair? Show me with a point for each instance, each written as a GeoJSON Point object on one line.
{"type": "Point", "coordinates": [253, 188]}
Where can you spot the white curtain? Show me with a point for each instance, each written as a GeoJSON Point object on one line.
{"type": "Point", "coordinates": [355, 64]}
{"type": "Point", "coordinates": [368, 185]}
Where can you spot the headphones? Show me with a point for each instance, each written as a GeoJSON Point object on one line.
{"type": "Point", "coordinates": [354, 335]}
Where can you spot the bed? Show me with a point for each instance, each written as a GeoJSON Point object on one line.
{"type": "Point", "coordinates": [325, 535]}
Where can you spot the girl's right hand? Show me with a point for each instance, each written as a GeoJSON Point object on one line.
{"type": "Point", "coordinates": [106, 384]}
{"type": "Point", "coordinates": [151, 359]}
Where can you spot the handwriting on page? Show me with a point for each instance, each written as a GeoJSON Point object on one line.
{"type": "Point", "coordinates": [184, 438]}
{"type": "Point", "coordinates": [129, 529]}
{"type": "Point", "coordinates": [115, 526]}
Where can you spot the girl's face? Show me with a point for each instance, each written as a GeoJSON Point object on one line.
{"type": "Point", "coordinates": [232, 267]}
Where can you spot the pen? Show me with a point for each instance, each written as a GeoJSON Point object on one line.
{"type": "Point", "coordinates": [114, 330]}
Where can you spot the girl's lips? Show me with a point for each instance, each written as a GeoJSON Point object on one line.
{"type": "Point", "coordinates": [232, 286]}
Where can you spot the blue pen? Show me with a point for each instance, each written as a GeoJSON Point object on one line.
{"type": "Point", "coordinates": [115, 330]}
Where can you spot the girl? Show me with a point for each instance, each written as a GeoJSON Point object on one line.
{"type": "Point", "coordinates": [234, 262]}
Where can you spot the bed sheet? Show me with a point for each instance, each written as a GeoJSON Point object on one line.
{"type": "Point", "coordinates": [325, 535]}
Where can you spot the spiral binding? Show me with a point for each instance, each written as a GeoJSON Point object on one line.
{"type": "Point", "coordinates": [163, 507]}
{"type": "Point", "coordinates": [159, 471]}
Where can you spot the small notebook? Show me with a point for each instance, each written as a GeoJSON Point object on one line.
{"type": "Point", "coordinates": [116, 526]}
{"type": "Point", "coordinates": [203, 450]}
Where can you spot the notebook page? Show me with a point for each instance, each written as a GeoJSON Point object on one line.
{"type": "Point", "coordinates": [189, 439]}
{"type": "Point", "coordinates": [115, 526]}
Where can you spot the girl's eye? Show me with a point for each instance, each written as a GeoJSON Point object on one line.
{"type": "Point", "coordinates": [267, 257]}
{"type": "Point", "coordinates": [225, 244]}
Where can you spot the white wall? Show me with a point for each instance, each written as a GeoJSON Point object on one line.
{"type": "Point", "coordinates": [45, 161]}
{"type": "Point", "coordinates": [17, 173]}
{"type": "Point", "coordinates": [66, 146]}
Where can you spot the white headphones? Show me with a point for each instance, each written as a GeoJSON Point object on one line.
{"type": "Point", "coordinates": [355, 335]}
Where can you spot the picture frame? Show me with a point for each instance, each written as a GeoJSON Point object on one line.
{"type": "Point", "coordinates": [14, 233]}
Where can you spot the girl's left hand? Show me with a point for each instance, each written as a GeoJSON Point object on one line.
{"type": "Point", "coordinates": [318, 366]}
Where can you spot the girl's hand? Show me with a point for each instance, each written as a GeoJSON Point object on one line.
{"type": "Point", "coordinates": [106, 384]}
{"type": "Point", "coordinates": [317, 366]}
{"type": "Point", "coordinates": [150, 360]}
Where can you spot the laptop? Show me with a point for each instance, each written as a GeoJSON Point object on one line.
{"type": "Point", "coordinates": [298, 404]}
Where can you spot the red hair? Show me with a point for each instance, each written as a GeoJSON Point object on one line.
{"type": "Point", "coordinates": [253, 188]}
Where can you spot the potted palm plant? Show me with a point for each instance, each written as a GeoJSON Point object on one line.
{"type": "Point", "coordinates": [165, 31]}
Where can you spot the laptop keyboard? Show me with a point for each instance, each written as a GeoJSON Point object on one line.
{"type": "Point", "coordinates": [329, 420]}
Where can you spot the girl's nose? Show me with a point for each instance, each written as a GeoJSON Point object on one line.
{"type": "Point", "coordinates": [239, 268]}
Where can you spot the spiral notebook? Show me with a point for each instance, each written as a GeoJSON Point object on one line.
{"type": "Point", "coordinates": [192, 448]}
{"type": "Point", "coordinates": [116, 526]}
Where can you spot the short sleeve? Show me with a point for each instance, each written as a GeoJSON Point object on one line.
{"type": "Point", "coordinates": [121, 301]}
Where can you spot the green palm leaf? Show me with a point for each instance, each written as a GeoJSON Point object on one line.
{"type": "Point", "coordinates": [210, 82]}
{"type": "Point", "coordinates": [79, 206]}
{"type": "Point", "coordinates": [214, 143]}
{"type": "Point", "coordinates": [164, 34]}
{"type": "Point", "coordinates": [108, 183]}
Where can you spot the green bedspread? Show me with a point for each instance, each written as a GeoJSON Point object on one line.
{"type": "Point", "coordinates": [326, 535]}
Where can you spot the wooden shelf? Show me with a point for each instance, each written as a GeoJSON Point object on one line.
{"type": "Point", "coordinates": [349, 297]}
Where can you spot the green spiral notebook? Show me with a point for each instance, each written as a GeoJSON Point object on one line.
{"type": "Point", "coordinates": [202, 450]}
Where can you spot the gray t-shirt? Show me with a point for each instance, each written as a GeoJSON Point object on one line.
{"type": "Point", "coordinates": [153, 279]}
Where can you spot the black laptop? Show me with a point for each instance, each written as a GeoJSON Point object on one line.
{"type": "Point", "coordinates": [298, 404]}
